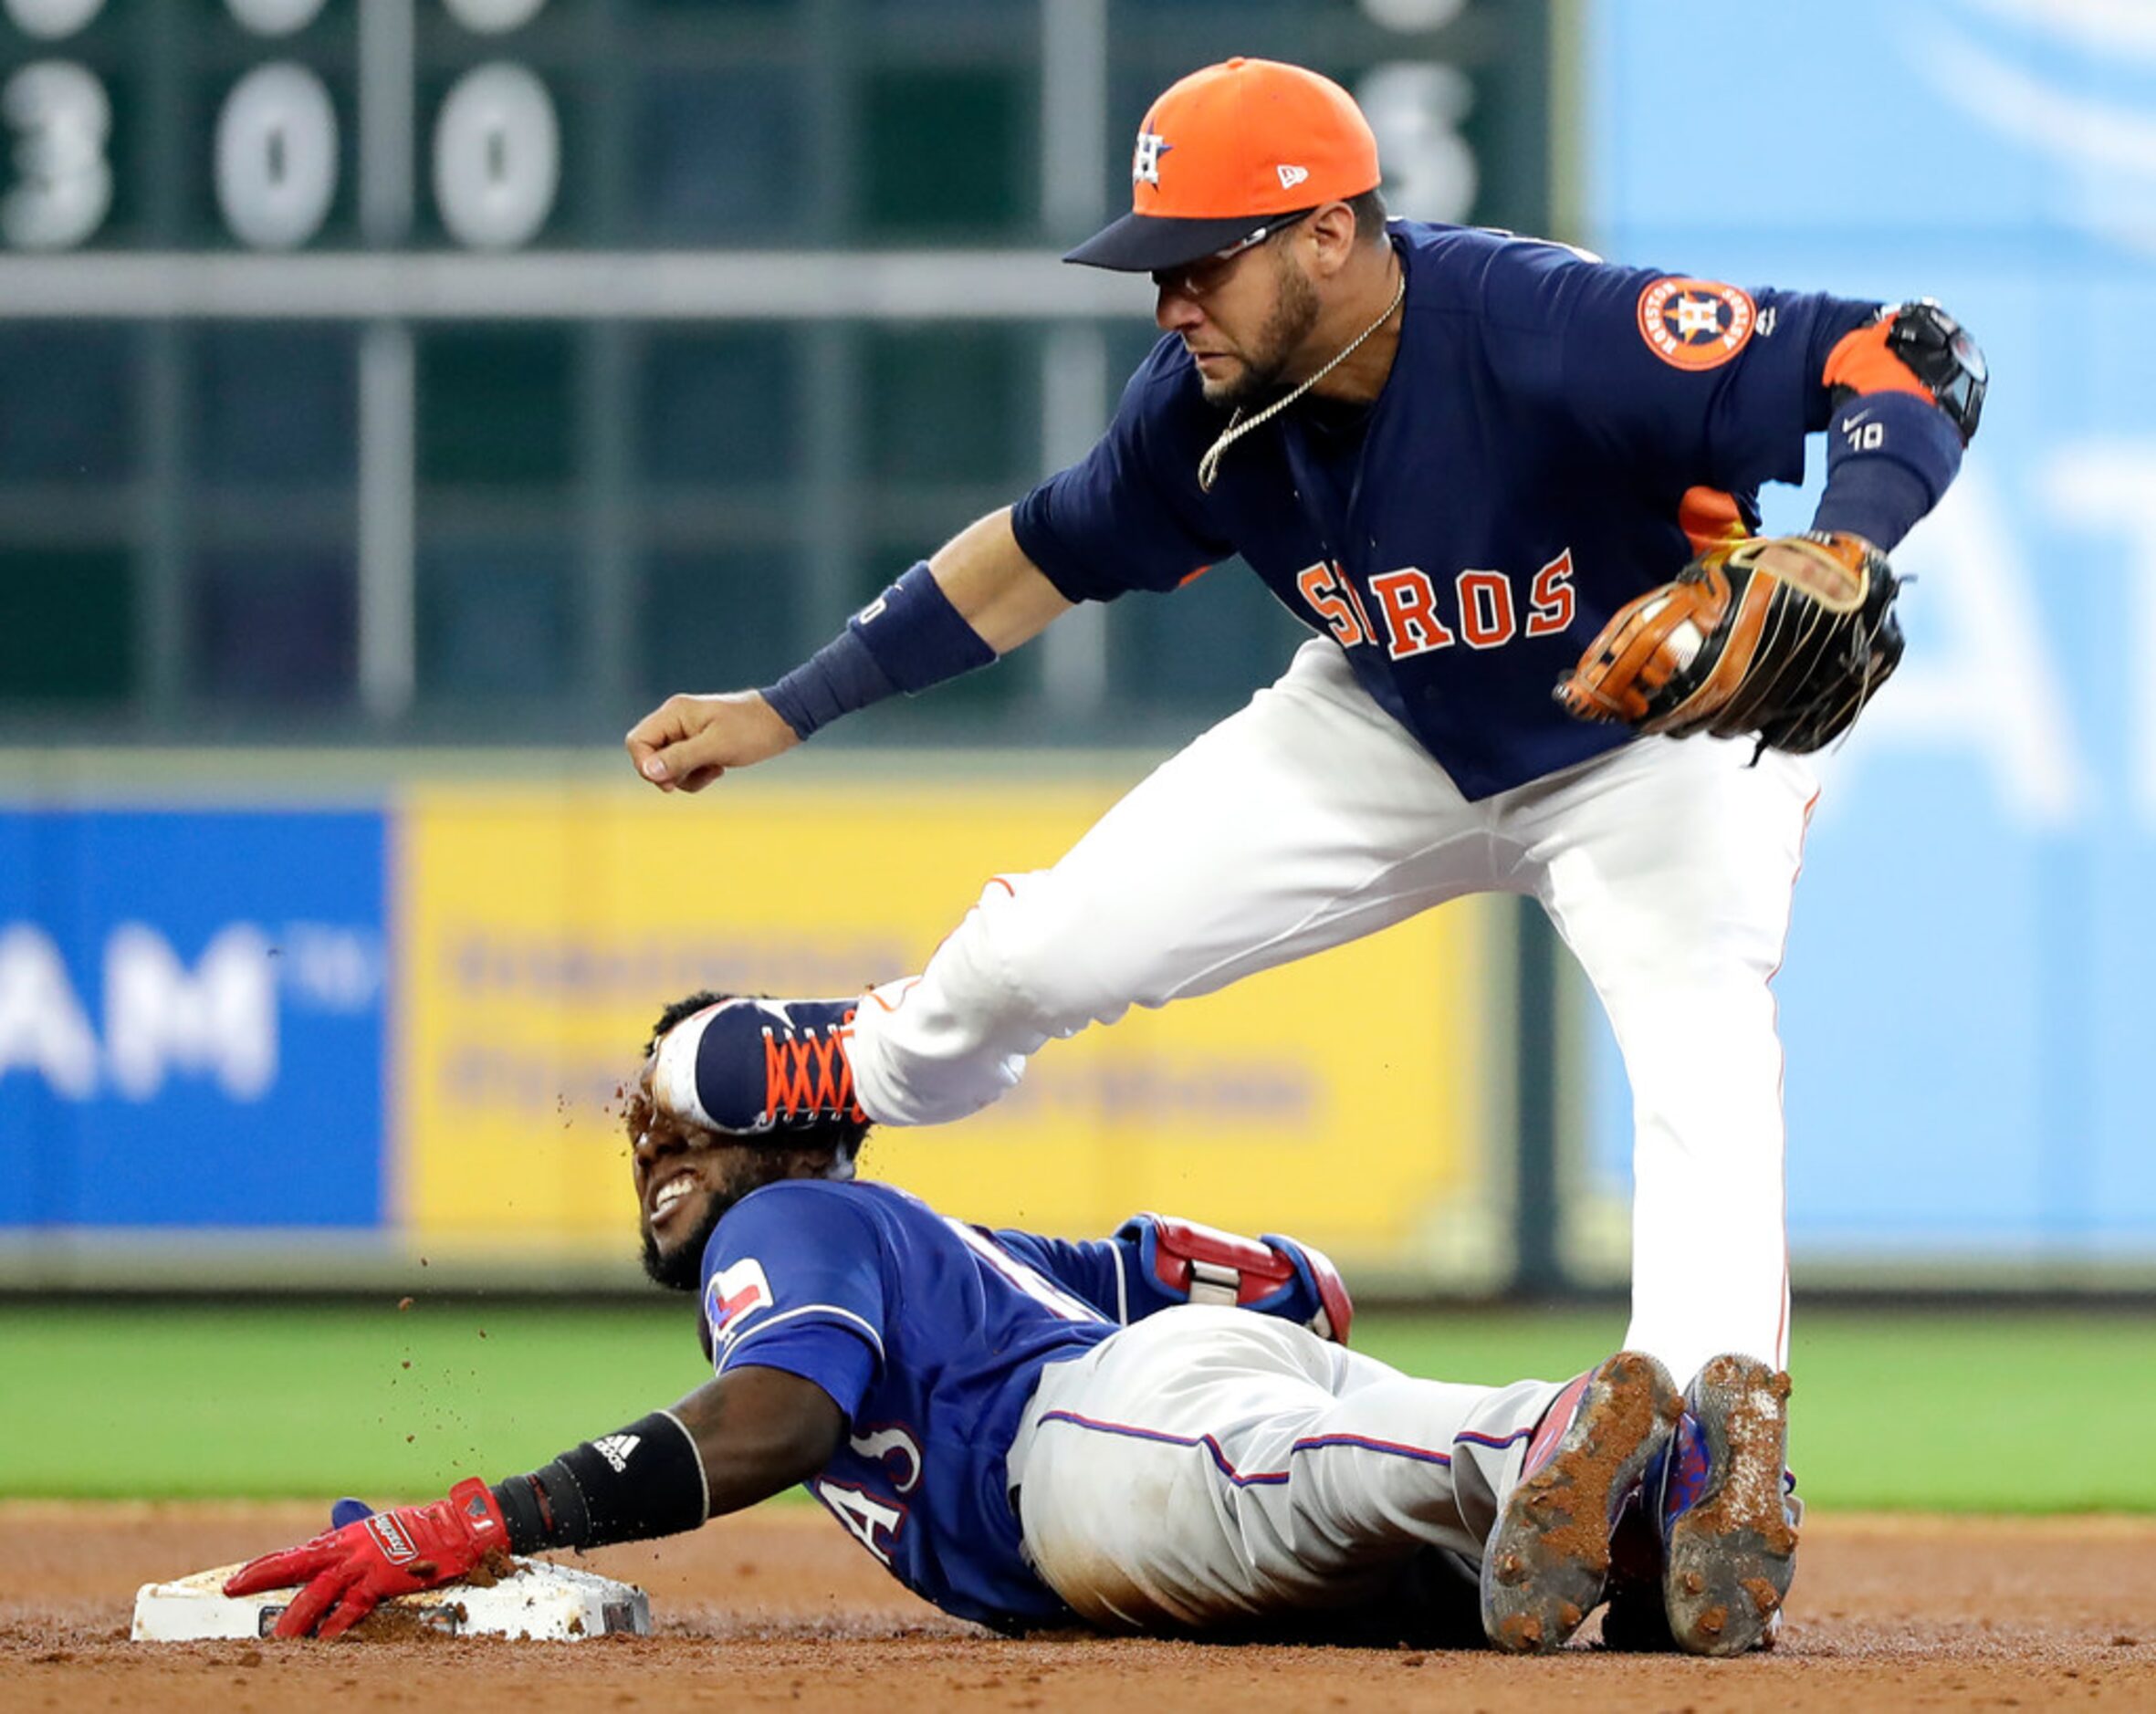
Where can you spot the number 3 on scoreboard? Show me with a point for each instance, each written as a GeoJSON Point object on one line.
{"type": "Point", "coordinates": [61, 116]}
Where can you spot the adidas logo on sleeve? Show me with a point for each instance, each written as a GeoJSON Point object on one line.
{"type": "Point", "coordinates": [616, 1449]}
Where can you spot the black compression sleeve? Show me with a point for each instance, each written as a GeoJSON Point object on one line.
{"type": "Point", "coordinates": [645, 1480]}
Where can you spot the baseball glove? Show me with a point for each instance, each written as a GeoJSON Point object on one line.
{"type": "Point", "coordinates": [1733, 648]}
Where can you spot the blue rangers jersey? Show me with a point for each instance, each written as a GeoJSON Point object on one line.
{"type": "Point", "coordinates": [929, 1334]}
{"type": "Point", "coordinates": [1556, 436]}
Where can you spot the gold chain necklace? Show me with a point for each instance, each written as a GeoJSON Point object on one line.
{"type": "Point", "coordinates": [1208, 467]}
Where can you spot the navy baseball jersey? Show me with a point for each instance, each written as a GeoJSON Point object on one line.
{"type": "Point", "coordinates": [930, 1335]}
{"type": "Point", "coordinates": [1555, 437]}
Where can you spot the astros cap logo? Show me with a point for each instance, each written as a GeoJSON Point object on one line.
{"type": "Point", "coordinates": [1226, 150]}
{"type": "Point", "coordinates": [1145, 163]}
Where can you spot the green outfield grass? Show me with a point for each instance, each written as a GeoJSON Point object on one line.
{"type": "Point", "coordinates": [1983, 1411]}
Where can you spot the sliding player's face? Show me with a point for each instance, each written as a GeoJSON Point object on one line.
{"type": "Point", "coordinates": [687, 1178]}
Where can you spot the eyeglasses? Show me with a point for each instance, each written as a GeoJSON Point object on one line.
{"type": "Point", "coordinates": [1210, 273]}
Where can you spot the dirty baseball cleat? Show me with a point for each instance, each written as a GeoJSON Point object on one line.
{"type": "Point", "coordinates": [1637, 1623]}
{"type": "Point", "coordinates": [1545, 1566]}
{"type": "Point", "coordinates": [1637, 1620]}
{"type": "Point", "coordinates": [1729, 1524]}
{"type": "Point", "coordinates": [747, 1067]}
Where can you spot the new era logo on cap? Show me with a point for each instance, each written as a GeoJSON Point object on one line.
{"type": "Point", "coordinates": [1290, 177]}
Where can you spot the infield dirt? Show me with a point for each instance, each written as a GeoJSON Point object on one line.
{"type": "Point", "coordinates": [780, 1607]}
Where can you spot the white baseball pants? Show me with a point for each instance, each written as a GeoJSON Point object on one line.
{"type": "Point", "coordinates": [1208, 1464]}
{"type": "Point", "coordinates": [1311, 818]}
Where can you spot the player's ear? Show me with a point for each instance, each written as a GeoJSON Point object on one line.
{"type": "Point", "coordinates": [1332, 234]}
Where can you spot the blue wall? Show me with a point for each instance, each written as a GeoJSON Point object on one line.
{"type": "Point", "coordinates": [1966, 1000]}
{"type": "Point", "coordinates": [190, 1019]}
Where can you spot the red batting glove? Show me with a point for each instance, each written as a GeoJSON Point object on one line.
{"type": "Point", "coordinates": [347, 1571]}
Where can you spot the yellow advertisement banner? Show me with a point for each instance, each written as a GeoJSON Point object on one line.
{"type": "Point", "coordinates": [541, 930]}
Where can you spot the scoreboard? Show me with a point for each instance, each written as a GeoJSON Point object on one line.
{"type": "Point", "coordinates": [276, 148]}
{"type": "Point", "coordinates": [486, 368]}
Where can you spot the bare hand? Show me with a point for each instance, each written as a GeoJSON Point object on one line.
{"type": "Point", "coordinates": [686, 742]}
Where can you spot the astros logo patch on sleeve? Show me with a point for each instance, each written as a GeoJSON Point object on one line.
{"type": "Point", "coordinates": [733, 1295]}
{"type": "Point", "coordinates": [1695, 323]}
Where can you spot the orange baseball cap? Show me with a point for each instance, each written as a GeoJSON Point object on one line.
{"type": "Point", "coordinates": [1228, 150]}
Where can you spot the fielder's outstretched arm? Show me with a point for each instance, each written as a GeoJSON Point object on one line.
{"type": "Point", "coordinates": [1001, 593]}
{"type": "Point", "coordinates": [978, 598]}
{"type": "Point", "coordinates": [740, 1438]}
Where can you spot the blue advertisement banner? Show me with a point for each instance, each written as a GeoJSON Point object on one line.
{"type": "Point", "coordinates": [1963, 1000]}
{"type": "Point", "coordinates": [192, 1019]}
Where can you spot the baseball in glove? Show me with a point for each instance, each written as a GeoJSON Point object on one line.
{"type": "Point", "coordinates": [1790, 649]}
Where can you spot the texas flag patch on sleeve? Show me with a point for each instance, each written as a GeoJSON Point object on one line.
{"type": "Point", "coordinates": [731, 1296]}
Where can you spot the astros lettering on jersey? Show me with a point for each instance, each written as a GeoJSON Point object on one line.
{"type": "Point", "coordinates": [1553, 425]}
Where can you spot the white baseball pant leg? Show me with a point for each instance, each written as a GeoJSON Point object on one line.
{"type": "Point", "coordinates": [1311, 818]}
{"type": "Point", "coordinates": [1208, 1465]}
{"type": "Point", "coordinates": [1308, 819]}
{"type": "Point", "coordinates": [1668, 867]}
